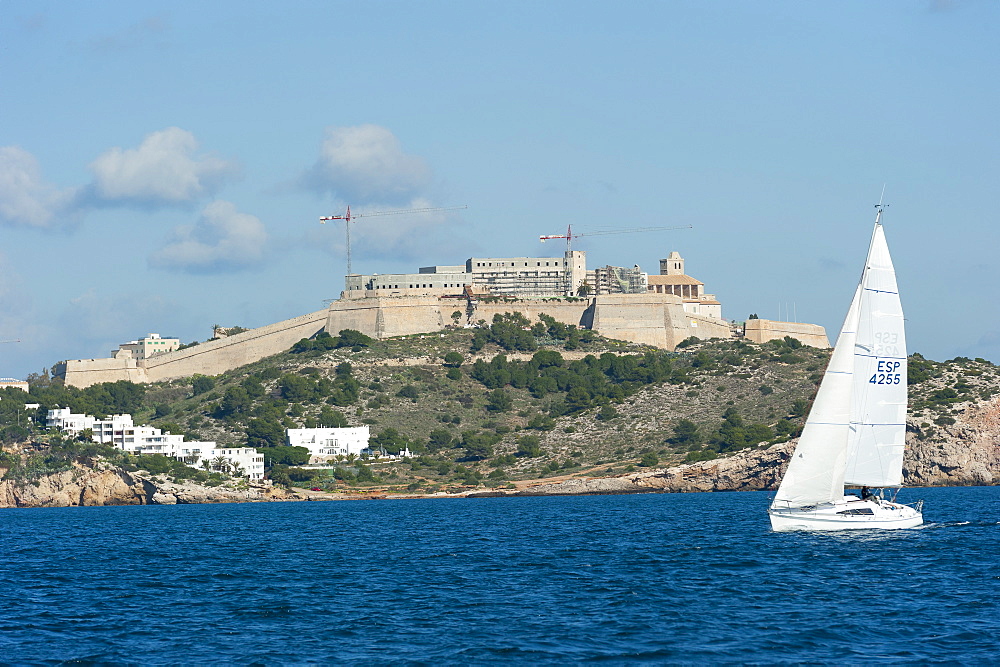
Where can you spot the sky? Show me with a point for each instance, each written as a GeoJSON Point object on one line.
{"type": "Point", "coordinates": [163, 165]}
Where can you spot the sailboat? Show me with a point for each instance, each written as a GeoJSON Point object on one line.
{"type": "Point", "coordinates": [854, 436]}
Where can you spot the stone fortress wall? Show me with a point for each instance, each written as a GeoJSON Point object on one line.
{"type": "Point", "coordinates": [653, 319]}
{"type": "Point", "coordinates": [208, 358]}
{"type": "Point", "coordinates": [761, 331]}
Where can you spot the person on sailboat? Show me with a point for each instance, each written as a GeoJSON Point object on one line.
{"type": "Point", "coordinates": [866, 493]}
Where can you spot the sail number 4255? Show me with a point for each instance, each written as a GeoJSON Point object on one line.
{"type": "Point", "coordinates": [887, 373]}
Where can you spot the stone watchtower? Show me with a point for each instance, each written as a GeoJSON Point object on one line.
{"type": "Point", "coordinates": [672, 265]}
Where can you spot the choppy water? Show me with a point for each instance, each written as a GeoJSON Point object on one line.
{"type": "Point", "coordinates": [668, 578]}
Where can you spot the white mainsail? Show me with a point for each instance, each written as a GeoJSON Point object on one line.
{"type": "Point", "coordinates": [878, 413]}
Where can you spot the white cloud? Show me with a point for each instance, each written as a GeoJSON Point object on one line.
{"type": "Point", "coordinates": [223, 239]}
{"type": "Point", "coordinates": [366, 164]}
{"type": "Point", "coordinates": [25, 199]}
{"type": "Point", "coordinates": [162, 170]}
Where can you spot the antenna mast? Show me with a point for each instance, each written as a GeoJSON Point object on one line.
{"type": "Point", "coordinates": [879, 207]}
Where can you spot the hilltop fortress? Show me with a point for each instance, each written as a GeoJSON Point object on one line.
{"type": "Point", "coordinates": [621, 303]}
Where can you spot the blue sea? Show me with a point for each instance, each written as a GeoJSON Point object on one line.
{"type": "Point", "coordinates": [662, 578]}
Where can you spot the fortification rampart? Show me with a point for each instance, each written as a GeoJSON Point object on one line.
{"type": "Point", "coordinates": [85, 372]}
{"type": "Point", "coordinates": [578, 312]}
{"type": "Point", "coordinates": [384, 317]}
{"type": "Point", "coordinates": [208, 358]}
{"type": "Point", "coordinates": [653, 319]}
{"type": "Point", "coordinates": [761, 331]}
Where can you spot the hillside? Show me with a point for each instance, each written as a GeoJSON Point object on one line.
{"type": "Point", "coordinates": [519, 401]}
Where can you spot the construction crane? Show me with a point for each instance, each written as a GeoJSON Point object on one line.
{"type": "Point", "coordinates": [569, 235]}
{"type": "Point", "coordinates": [348, 217]}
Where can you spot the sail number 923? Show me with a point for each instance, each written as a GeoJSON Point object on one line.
{"type": "Point", "coordinates": [887, 373]}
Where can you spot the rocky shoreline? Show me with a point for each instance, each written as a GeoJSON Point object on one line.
{"type": "Point", "coordinates": [104, 484]}
{"type": "Point", "coordinates": [967, 455]}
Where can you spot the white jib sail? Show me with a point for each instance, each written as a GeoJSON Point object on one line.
{"type": "Point", "coordinates": [878, 411]}
{"type": "Point", "coordinates": [815, 473]}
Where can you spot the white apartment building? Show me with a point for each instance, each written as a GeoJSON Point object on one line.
{"type": "Point", "coordinates": [108, 431]}
{"type": "Point", "coordinates": [245, 461]}
{"type": "Point", "coordinates": [150, 440]}
{"type": "Point", "coordinates": [144, 348]}
{"type": "Point", "coordinates": [118, 430]}
{"type": "Point", "coordinates": [326, 443]}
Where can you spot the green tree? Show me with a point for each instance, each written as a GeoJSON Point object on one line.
{"type": "Point", "coordinates": [296, 388]}
{"type": "Point", "coordinates": [408, 391]}
{"type": "Point", "coordinates": [236, 401]}
{"type": "Point", "coordinates": [499, 400]}
{"type": "Point", "coordinates": [478, 445]}
{"type": "Point", "coordinates": [330, 418]}
{"type": "Point", "coordinates": [607, 413]}
{"type": "Point", "coordinates": [354, 339]}
{"type": "Point", "coordinates": [529, 446]}
{"type": "Point", "coordinates": [686, 433]}
{"type": "Point", "coordinates": [391, 440]}
{"type": "Point", "coordinates": [201, 384]}
{"type": "Point", "coordinates": [438, 439]}
{"type": "Point", "coordinates": [265, 433]}
{"type": "Point", "coordinates": [453, 359]}
{"type": "Point", "coordinates": [285, 455]}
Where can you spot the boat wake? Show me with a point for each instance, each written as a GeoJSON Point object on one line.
{"type": "Point", "coordinates": [960, 524]}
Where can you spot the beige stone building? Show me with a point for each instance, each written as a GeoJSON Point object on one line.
{"type": "Point", "coordinates": [520, 277]}
{"type": "Point", "coordinates": [16, 384]}
{"type": "Point", "coordinates": [144, 348]}
{"type": "Point", "coordinates": [673, 280]}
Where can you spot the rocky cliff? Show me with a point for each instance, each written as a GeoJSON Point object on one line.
{"type": "Point", "coordinates": [966, 454]}
{"type": "Point", "coordinates": [103, 484]}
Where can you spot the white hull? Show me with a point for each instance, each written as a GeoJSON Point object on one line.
{"type": "Point", "coordinates": [850, 514]}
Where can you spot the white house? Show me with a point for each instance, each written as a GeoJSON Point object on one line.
{"type": "Point", "coordinates": [325, 443]}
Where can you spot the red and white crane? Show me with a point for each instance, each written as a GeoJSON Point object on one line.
{"type": "Point", "coordinates": [569, 235]}
{"type": "Point", "coordinates": [348, 217]}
